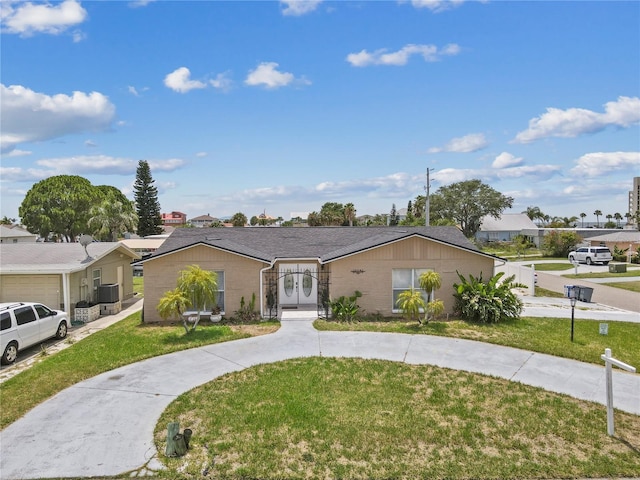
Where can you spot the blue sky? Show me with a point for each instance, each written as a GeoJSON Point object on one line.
{"type": "Point", "coordinates": [283, 106]}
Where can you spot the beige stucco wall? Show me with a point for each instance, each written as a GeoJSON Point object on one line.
{"type": "Point", "coordinates": [242, 276]}
{"type": "Point", "coordinates": [377, 264]}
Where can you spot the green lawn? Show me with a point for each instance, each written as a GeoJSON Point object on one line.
{"type": "Point", "coordinates": [631, 286]}
{"type": "Point", "coordinates": [320, 418]}
{"type": "Point", "coordinates": [544, 335]}
{"type": "Point", "coordinates": [125, 342]}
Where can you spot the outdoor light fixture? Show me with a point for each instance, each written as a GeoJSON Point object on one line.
{"type": "Point", "coordinates": [573, 297]}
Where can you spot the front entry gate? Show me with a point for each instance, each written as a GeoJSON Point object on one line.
{"type": "Point", "coordinates": [293, 285]}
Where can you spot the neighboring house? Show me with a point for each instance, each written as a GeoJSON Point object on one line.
{"type": "Point", "coordinates": [203, 221]}
{"type": "Point", "coordinates": [623, 239]}
{"type": "Point", "coordinates": [303, 267]}
{"type": "Point", "coordinates": [174, 219]}
{"type": "Point", "coordinates": [506, 228]}
{"type": "Point", "coordinates": [16, 234]}
{"type": "Point", "coordinates": [61, 274]}
{"type": "Point", "coordinates": [144, 246]}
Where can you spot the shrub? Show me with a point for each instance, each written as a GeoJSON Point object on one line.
{"type": "Point", "coordinates": [559, 244]}
{"type": "Point", "coordinates": [345, 308]}
{"type": "Point", "coordinates": [487, 302]}
{"type": "Point", "coordinates": [411, 303]}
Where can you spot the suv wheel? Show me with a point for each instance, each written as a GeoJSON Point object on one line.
{"type": "Point", "coordinates": [588, 260]}
{"type": "Point", "coordinates": [10, 354]}
{"type": "Point", "coordinates": [572, 258]}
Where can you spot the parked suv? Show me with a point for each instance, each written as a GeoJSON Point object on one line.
{"type": "Point", "coordinates": [23, 324]}
{"type": "Point", "coordinates": [591, 255]}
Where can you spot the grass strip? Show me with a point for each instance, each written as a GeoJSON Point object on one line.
{"type": "Point", "coordinates": [544, 335]}
{"type": "Point", "coordinates": [321, 418]}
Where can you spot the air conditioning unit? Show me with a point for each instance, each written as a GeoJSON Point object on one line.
{"type": "Point", "coordinates": [108, 293]}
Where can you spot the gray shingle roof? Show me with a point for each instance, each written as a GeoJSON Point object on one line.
{"type": "Point", "coordinates": [326, 243]}
{"type": "Point", "coordinates": [54, 257]}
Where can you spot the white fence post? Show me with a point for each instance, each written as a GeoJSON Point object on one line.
{"type": "Point", "coordinates": [609, 362]}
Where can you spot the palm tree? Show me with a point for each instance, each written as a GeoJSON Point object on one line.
{"type": "Point", "coordinates": [618, 217]}
{"type": "Point", "coordinates": [111, 218]}
{"type": "Point", "coordinates": [597, 213]}
{"type": "Point", "coordinates": [429, 282]}
{"type": "Point", "coordinates": [411, 302]}
{"type": "Point", "coordinates": [350, 213]}
{"type": "Point", "coordinates": [197, 288]}
{"type": "Point", "coordinates": [582, 215]}
{"type": "Point", "coordinates": [172, 304]}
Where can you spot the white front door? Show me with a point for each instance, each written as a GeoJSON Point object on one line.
{"type": "Point", "coordinates": [298, 284]}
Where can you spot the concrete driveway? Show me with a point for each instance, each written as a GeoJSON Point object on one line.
{"type": "Point", "coordinates": [104, 425]}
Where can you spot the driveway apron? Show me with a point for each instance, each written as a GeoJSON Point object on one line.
{"type": "Point", "coordinates": [104, 426]}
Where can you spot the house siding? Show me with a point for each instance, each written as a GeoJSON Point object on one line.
{"type": "Point", "coordinates": [371, 272]}
{"type": "Point", "coordinates": [242, 276]}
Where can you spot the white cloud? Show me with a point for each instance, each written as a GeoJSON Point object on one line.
{"type": "Point", "coordinates": [430, 53]}
{"type": "Point", "coordinates": [435, 6]}
{"type": "Point", "coordinates": [18, 153]}
{"type": "Point", "coordinates": [28, 19]}
{"type": "Point", "coordinates": [180, 81]}
{"type": "Point", "coordinates": [222, 82]}
{"type": "Point", "coordinates": [90, 143]}
{"type": "Point", "coordinates": [86, 165]}
{"type": "Point", "coordinates": [267, 74]}
{"type": "Point", "coordinates": [505, 160]}
{"type": "Point", "coordinates": [140, 3]}
{"type": "Point", "coordinates": [600, 163]}
{"type": "Point", "coordinates": [469, 143]}
{"type": "Point", "coordinates": [296, 8]}
{"type": "Point", "coordinates": [28, 116]}
{"type": "Point", "coordinates": [535, 173]}
{"type": "Point", "coordinates": [573, 122]}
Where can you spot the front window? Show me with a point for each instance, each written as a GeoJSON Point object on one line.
{"type": "Point", "coordinates": [220, 300]}
{"type": "Point", "coordinates": [405, 279]}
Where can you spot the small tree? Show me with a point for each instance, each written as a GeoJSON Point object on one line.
{"type": "Point", "coordinates": [412, 304]}
{"type": "Point", "coordinates": [429, 282]}
{"type": "Point", "coordinates": [146, 200]}
{"type": "Point", "coordinates": [197, 288]}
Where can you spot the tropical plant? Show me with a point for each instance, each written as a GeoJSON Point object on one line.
{"type": "Point", "coordinates": [111, 218]}
{"type": "Point", "coordinates": [172, 304]}
{"type": "Point", "coordinates": [435, 308]}
{"type": "Point", "coordinates": [197, 288]}
{"type": "Point", "coordinates": [429, 282]}
{"type": "Point", "coordinates": [412, 304]}
{"type": "Point", "coordinates": [597, 213]}
{"type": "Point", "coordinates": [619, 255]}
{"type": "Point", "coordinates": [247, 312]}
{"type": "Point", "coordinates": [487, 302]}
{"type": "Point", "coordinates": [345, 308]}
{"type": "Point", "coordinates": [582, 215]}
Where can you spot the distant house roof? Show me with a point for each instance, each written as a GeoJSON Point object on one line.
{"type": "Point", "coordinates": [55, 257]}
{"type": "Point", "coordinates": [204, 218]}
{"type": "Point", "coordinates": [508, 222]}
{"type": "Point", "coordinates": [143, 243]}
{"type": "Point", "coordinates": [324, 243]}
{"type": "Point", "coordinates": [14, 231]}
{"type": "Point", "coordinates": [623, 236]}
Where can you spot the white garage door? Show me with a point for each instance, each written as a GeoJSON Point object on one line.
{"type": "Point", "coordinates": [31, 288]}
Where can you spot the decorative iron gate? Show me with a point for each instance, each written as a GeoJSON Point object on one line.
{"type": "Point", "coordinates": [272, 279]}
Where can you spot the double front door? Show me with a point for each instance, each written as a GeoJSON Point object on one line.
{"type": "Point", "coordinates": [298, 284]}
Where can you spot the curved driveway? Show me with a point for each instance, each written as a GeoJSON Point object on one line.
{"type": "Point", "coordinates": [104, 426]}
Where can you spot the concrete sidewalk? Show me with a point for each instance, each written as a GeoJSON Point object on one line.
{"type": "Point", "coordinates": [104, 425]}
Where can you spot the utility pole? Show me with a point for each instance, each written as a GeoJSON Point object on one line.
{"type": "Point", "coordinates": [426, 200]}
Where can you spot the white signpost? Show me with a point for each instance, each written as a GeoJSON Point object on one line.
{"type": "Point", "coordinates": [609, 362]}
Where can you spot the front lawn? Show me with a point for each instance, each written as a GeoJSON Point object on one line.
{"type": "Point", "coordinates": [322, 418]}
{"type": "Point", "coordinates": [125, 342]}
{"type": "Point", "coordinates": [544, 335]}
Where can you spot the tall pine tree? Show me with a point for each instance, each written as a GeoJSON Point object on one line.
{"type": "Point", "coordinates": [146, 198]}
